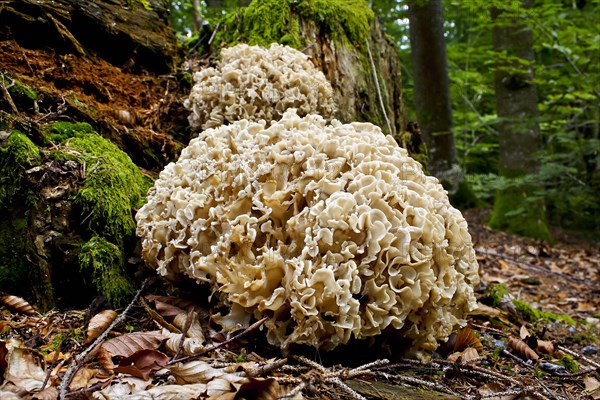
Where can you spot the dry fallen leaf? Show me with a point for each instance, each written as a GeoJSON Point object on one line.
{"type": "Point", "coordinates": [194, 330]}
{"type": "Point", "coordinates": [190, 345]}
{"type": "Point", "coordinates": [468, 354]}
{"type": "Point", "coordinates": [524, 333]}
{"type": "Point", "coordinates": [49, 393]}
{"type": "Point", "coordinates": [201, 372]}
{"type": "Point", "coordinates": [260, 389]}
{"type": "Point", "coordinates": [99, 323]}
{"type": "Point", "coordinates": [466, 338]}
{"type": "Point", "coordinates": [23, 367]}
{"type": "Point", "coordinates": [546, 347]}
{"type": "Point", "coordinates": [142, 363]}
{"type": "Point", "coordinates": [592, 387]}
{"type": "Point", "coordinates": [522, 349]}
{"type": "Point", "coordinates": [126, 345]}
{"type": "Point", "coordinates": [17, 304]}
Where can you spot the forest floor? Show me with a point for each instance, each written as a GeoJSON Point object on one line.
{"type": "Point", "coordinates": [509, 350]}
{"type": "Point", "coordinates": [504, 353]}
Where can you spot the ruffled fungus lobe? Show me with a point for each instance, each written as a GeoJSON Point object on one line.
{"type": "Point", "coordinates": [254, 83]}
{"type": "Point", "coordinates": [332, 231]}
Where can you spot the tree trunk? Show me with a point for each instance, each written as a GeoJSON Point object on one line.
{"type": "Point", "coordinates": [344, 40]}
{"type": "Point", "coordinates": [516, 208]}
{"type": "Point", "coordinates": [432, 94]}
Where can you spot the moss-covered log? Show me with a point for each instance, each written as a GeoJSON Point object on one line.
{"type": "Point", "coordinates": [67, 211]}
{"type": "Point", "coordinates": [344, 39]}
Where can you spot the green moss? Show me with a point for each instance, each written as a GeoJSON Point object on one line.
{"type": "Point", "coordinates": [497, 293]}
{"type": "Point", "coordinates": [533, 315]}
{"type": "Point", "coordinates": [17, 154]}
{"type": "Point", "coordinates": [270, 21]}
{"type": "Point", "coordinates": [21, 92]}
{"type": "Point", "coordinates": [516, 211]}
{"type": "Point", "coordinates": [526, 311]}
{"type": "Point", "coordinates": [104, 261]}
{"type": "Point", "coordinates": [58, 132]}
{"type": "Point", "coordinates": [353, 17]}
{"type": "Point", "coordinates": [570, 364]}
{"type": "Point", "coordinates": [277, 21]}
{"type": "Point", "coordinates": [113, 184]}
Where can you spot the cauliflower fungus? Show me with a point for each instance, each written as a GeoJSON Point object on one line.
{"type": "Point", "coordinates": [252, 82]}
{"type": "Point", "coordinates": [331, 231]}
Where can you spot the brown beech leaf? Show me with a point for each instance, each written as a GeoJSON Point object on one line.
{"type": "Point", "coordinates": [202, 372]}
{"type": "Point", "coordinates": [99, 323]}
{"type": "Point", "coordinates": [143, 363]}
{"type": "Point", "coordinates": [522, 349]}
{"type": "Point", "coordinates": [466, 338]}
{"type": "Point", "coordinates": [49, 393]}
{"type": "Point", "coordinates": [17, 304]}
{"type": "Point", "coordinates": [546, 347]}
{"type": "Point", "coordinates": [126, 345]}
{"type": "Point", "coordinates": [592, 387]}
{"type": "Point", "coordinates": [468, 354]}
{"type": "Point", "coordinates": [169, 306]}
{"type": "Point", "coordinates": [259, 389]}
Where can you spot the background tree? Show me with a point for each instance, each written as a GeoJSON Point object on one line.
{"type": "Point", "coordinates": [519, 132]}
{"type": "Point", "coordinates": [431, 89]}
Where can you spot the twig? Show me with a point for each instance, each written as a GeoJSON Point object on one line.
{"type": "Point", "coordinates": [54, 359]}
{"type": "Point", "coordinates": [266, 368]}
{"type": "Point", "coordinates": [212, 37]}
{"type": "Point", "coordinates": [387, 121]}
{"type": "Point", "coordinates": [337, 382]}
{"type": "Point", "coordinates": [186, 328]}
{"type": "Point", "coordinates": [248, 330]}
{"type": "Point", "coordinates": [517, 359]}
{"type": "Point", "coordinates": [580, 356]}
{"type": "Point", "coordinates": [9, 99]}
{"type": "Point", "coordinates": [75, 364]}
{"type": "Point", "coordinates": [536, 267]}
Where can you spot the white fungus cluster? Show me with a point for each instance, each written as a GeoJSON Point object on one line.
{"type": "Point", "coordinates": [330, 231]}
{"type": "Point", "coordinates": [254, 83]}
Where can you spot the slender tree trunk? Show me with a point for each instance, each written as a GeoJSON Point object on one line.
{"type": "Point", "coordinates": [516, 209]}
{"type": "Point", "coordinates": [197, 16]}
{"type": "Point", "coordinates": [432, 95]}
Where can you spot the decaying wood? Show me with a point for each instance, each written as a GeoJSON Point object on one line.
{"type": "Point", "coordinates": [143, 34]}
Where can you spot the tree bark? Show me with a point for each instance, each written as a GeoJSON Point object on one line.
{"type": "Point", "coordinates": [515, 207]}
{"type": "Point", "coordinates": [433, 105]}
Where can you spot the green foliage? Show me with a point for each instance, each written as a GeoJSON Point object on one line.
{"type": "Point", "coordinates": [104, 261]}
{"type": "Point", "coordinates": [567, 51]}
{"type": "Point", "coordinates": [113, 185]}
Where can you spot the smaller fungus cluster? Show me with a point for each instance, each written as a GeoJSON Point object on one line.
{"type": "Point", "coordinates": [254, 83]}
{"type": "Point", "coordinates": [330, 231]}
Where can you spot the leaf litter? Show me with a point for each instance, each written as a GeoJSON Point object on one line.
{"type": "Point", "coordinates": [177, 354]}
